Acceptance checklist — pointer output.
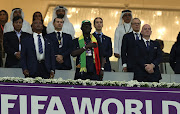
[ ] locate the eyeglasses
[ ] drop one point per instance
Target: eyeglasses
(136, 23)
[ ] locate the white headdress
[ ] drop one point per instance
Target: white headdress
(122, 14)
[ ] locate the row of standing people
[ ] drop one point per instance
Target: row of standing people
(17, 42)
(124, 19)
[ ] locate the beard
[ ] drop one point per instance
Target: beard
(60, 16)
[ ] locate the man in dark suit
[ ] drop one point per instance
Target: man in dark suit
(37, 54)
(104, 42)
(62, 43)
(148, 57)
(12, 43)
(129, 44)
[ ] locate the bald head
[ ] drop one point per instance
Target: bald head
(146, 31)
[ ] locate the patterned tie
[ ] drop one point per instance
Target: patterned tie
(40, 44)
(137, 36)
(99, 37)
(147, 44)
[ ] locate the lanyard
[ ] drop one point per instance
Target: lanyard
(125, 29)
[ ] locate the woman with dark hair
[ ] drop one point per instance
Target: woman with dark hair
(174, 58)
(3, 20)
(38, 16)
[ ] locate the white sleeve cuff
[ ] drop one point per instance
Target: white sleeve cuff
(124, 65)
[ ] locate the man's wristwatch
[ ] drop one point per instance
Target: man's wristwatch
(102, 69)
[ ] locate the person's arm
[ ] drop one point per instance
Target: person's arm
(172, 57)
(124, 49)
(24, 58)
(7, 47)
(81, 50)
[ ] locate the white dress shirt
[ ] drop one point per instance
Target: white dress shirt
(39, 56)
(18, 35)
(145, 41)
(138, 33)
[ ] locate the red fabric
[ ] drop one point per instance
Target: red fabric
(2, 28)
(97, 59)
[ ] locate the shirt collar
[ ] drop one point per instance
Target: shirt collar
(18, 32)
(58, 31)
(98, 33)
(146, 40)
(35, 34)
(136, 32)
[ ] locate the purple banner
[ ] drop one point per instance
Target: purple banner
(62, 99)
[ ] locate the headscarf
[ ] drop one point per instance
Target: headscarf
(122, 14)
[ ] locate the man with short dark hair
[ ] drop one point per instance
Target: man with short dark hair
(12, 43)
(37, 54)
(129, 45)
(89, 62)
(9, 26)
(104, 42)
(62, 43)
(124, 27)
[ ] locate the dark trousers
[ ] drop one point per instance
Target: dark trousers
(86, 75)
(41, 71)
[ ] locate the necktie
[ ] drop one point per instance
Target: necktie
(99, 37)
(147, 44)
(40, 44)
(137, 37)
(59, 37)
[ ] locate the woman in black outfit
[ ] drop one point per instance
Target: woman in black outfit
(174, 58)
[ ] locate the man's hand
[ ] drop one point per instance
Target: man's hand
(51, 75)
(26, 73)
(59, 58)
(149, 68)
(125, 69)
(116, 55)
(18, 55)
(90, 45)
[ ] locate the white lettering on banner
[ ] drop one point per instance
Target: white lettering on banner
(129, 109)
(23, 104)
(4, 102)
(34, 103)
(80, 107)
(86, 102)
(166, 104)
(148, 106)
(55, 101)
(105, 105)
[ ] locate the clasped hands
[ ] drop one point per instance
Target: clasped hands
(149, 68)
(59, 58)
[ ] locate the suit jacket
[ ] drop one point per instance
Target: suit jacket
(128, 50)
(28, 55)
(11, 45)
(65, 50)
(106, 48)
(145, 56)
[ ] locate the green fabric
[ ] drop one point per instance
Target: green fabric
(83, 55)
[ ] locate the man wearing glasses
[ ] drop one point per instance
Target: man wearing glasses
(124, 27)
(129, 45)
